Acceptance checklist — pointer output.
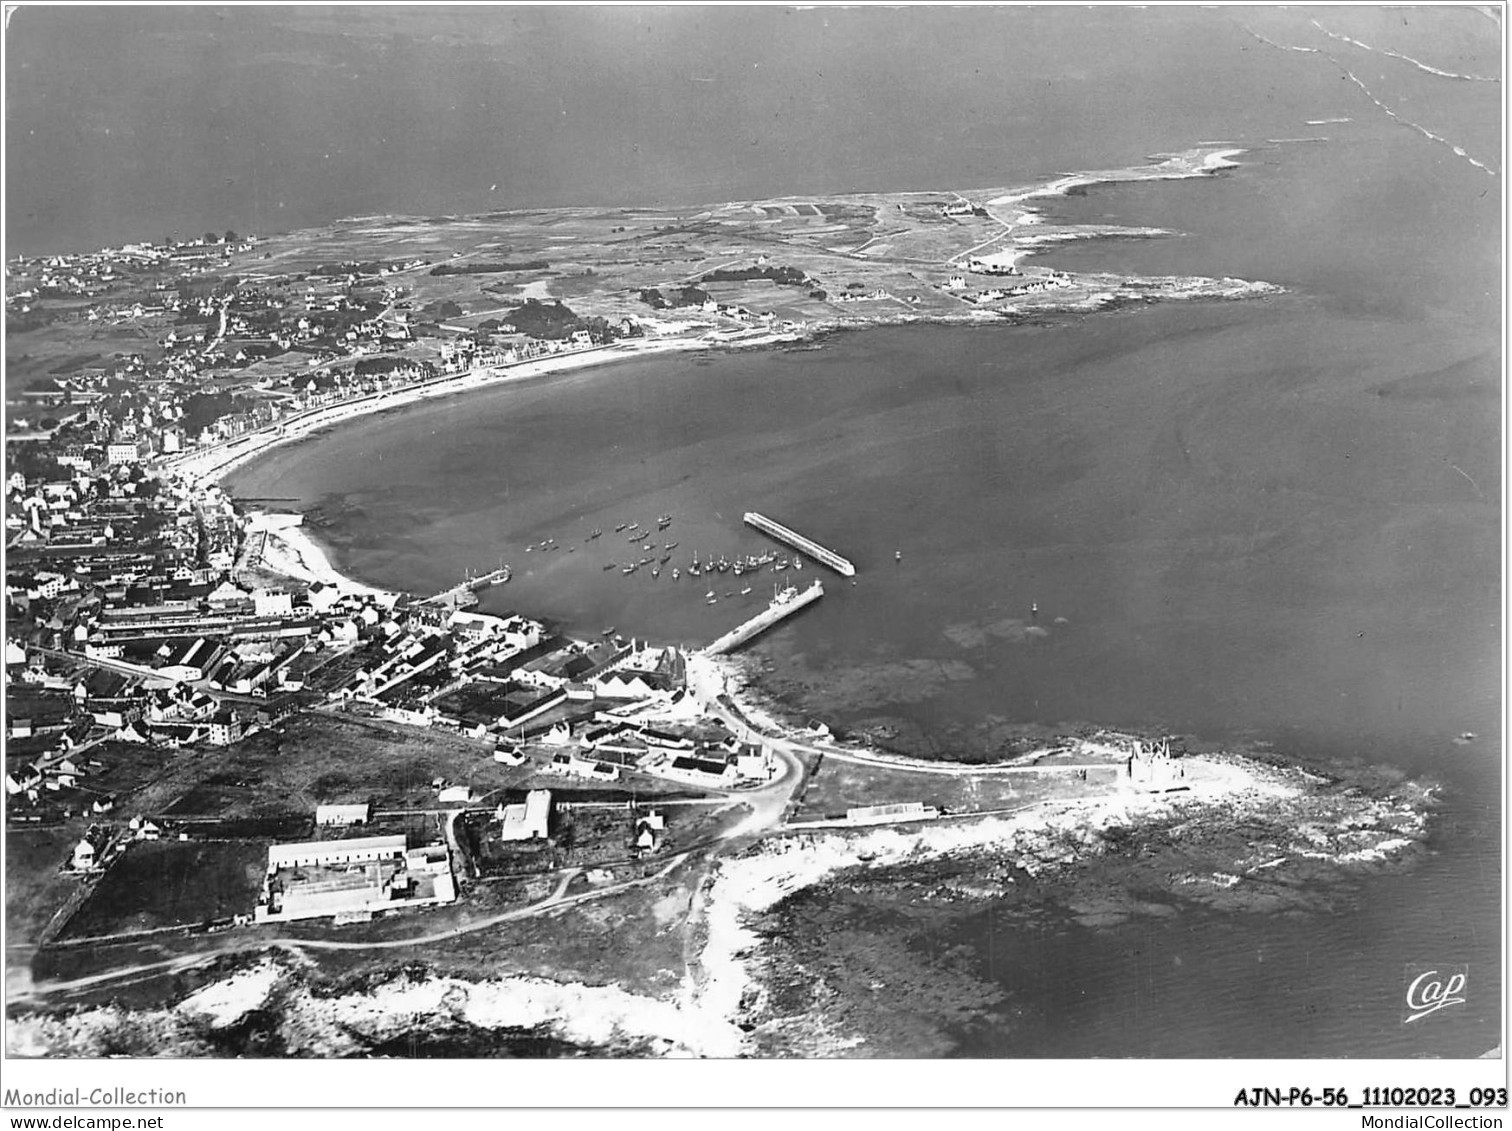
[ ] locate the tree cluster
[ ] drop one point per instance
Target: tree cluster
(489, 268)
(783, 276)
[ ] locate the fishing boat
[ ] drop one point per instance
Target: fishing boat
(609, 566)
(656, 571)
(712, 601)
(592, 536)
(620, 527)
(676, 573)
(746, 590)
(665, 558)
(609, 631)
(670, 546)
(631, 568)
(710, 593)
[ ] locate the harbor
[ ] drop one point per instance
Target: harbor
(464, 595)
(819, 553)
(784, 604)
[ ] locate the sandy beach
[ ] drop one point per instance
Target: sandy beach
(213, 464)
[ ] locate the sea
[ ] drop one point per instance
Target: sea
(1269, 524)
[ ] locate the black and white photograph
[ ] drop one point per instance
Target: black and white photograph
(753, 535)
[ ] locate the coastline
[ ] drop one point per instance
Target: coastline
(208, 468)
(1290, 841)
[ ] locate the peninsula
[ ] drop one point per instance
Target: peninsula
(280, 812)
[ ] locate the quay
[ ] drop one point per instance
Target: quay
(799, 542)
(464, 595)
(785, 604)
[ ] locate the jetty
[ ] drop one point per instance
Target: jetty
(787, 602)
(464, 595)
(819, 553)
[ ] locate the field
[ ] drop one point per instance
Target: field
(171, 883)
(34, 888)
(588, 837)
(320, 758)
(840, 785)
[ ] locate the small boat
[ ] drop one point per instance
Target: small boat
(529, 548)
(712, 601)
(897, 555)
(670, 546)
(676, 573)
(620, 527)
(693, 570)
(647, 561)
(631, 568)
(609, 566)
(592, 536)
(710, 593)
(797, 563)
(665, 558)
(746, 590)
(779, 567)
(609, 631)
(731, 593)
(656, 571)
(635, 536)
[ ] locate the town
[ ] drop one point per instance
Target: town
(209, 729)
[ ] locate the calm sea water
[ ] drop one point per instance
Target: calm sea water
(1272, 521)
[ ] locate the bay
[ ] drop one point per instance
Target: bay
(1270, 524)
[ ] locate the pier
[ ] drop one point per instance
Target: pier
(799, 542)
(464, 594)
(785, 604)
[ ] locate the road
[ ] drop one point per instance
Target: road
(768, 804)
(240, 941)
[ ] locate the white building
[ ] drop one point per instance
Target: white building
(343, 815)
(272, 603)
(528, 821)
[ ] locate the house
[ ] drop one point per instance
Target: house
(272, 603)
(83, 856)
(573, 766)
(701, 771)
(528, 821)
(508, 755)
(342, 816)
(649, 831)
(455, 795)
